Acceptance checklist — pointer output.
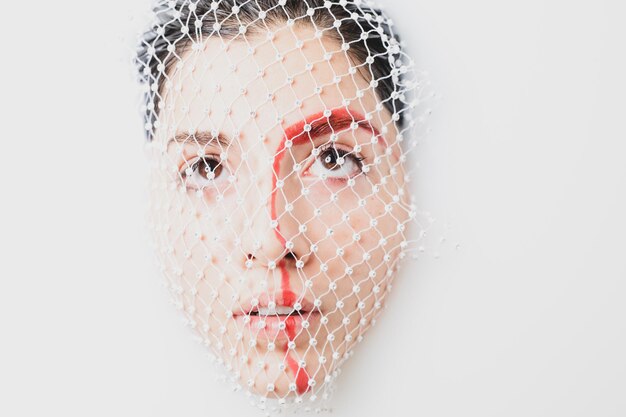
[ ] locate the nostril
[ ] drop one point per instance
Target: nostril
(290, 256)
(249, 262)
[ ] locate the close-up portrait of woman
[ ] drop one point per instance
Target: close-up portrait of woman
(279, 199)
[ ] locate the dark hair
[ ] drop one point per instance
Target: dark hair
(178, 23)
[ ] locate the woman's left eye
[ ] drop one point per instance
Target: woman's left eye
(332, 162)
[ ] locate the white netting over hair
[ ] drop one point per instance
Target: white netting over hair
(280, 135)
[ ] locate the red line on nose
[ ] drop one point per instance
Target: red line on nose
(278, 156)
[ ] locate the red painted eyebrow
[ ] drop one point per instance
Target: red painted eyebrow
(320, 125)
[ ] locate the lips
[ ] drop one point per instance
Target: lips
(274, 310)
(281, 303)
(282, 318)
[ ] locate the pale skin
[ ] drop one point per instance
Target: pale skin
(257, 217)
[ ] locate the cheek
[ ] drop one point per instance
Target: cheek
(196, 236)
(354, 234)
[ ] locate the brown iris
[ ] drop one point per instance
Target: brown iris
(207, 165)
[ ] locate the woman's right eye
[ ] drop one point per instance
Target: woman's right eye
(202, 171)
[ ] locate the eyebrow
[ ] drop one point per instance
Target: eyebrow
(202, 138)
(320, 125)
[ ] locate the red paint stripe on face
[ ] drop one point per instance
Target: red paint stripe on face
(278, 156)
(289, 298)
(290, 327)
(302, 377)
(339, 120)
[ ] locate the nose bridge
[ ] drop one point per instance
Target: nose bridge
(273, 228)
(265, 240)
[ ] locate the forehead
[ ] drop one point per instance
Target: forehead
(255, 84)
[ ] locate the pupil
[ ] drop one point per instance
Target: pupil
(330, 161)
(209, 165)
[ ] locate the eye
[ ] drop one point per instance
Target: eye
(332, 162)
(202, 171)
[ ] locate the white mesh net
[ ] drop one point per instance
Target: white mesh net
(280, 134)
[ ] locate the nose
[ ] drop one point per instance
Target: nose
(274, 234)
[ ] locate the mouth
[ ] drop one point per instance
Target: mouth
(281, 304)
(278, 319)
(271, 310)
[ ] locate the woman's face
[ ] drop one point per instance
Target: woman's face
(279, 204)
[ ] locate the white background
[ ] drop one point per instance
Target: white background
(525, 162)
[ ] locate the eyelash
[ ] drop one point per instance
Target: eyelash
(193, 166)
